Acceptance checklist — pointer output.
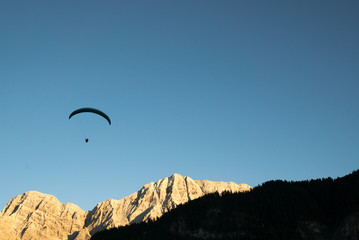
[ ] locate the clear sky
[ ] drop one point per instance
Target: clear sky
(243, 91)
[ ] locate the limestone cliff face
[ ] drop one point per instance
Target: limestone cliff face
(34, 215)
(151, 201)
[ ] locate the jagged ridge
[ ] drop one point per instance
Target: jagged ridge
(35, 215)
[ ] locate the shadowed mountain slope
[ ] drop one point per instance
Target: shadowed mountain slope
(315, 209)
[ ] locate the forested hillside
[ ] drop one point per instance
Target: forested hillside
(313, 209)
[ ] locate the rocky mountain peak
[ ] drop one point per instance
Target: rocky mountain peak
(34, 215)
(39, 216)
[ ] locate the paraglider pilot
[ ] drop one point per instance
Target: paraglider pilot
(91, 110)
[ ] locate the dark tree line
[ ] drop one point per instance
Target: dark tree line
(313, 209)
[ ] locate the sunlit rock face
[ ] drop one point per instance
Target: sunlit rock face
(151, 201)
(34, 215)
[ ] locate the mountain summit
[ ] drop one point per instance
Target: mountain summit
(35, 215)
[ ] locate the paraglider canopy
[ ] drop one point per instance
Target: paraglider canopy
(91, 110)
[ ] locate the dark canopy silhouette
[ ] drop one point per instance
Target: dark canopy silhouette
(91, 110)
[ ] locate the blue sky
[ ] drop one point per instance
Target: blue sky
(243, 91)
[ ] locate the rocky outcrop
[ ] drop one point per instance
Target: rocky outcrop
(35, 215)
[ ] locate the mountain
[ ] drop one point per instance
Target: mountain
(34, 215)
(306, 210)
(39, 216)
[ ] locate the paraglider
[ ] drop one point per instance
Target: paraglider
(91, 110)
